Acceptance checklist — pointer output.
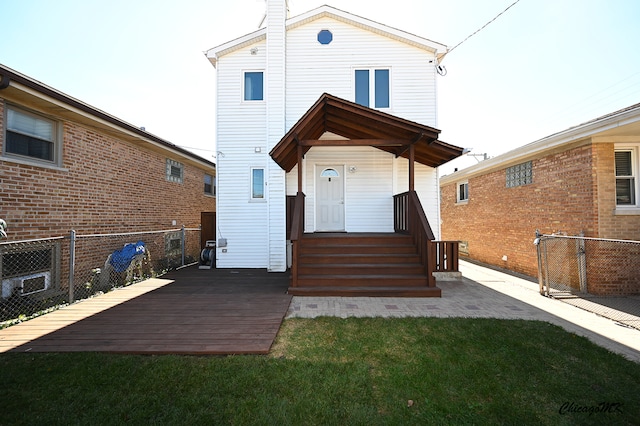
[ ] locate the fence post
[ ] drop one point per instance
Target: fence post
(184, 241)
(537, 243)
(72, 266)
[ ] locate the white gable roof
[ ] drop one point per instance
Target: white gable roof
(327, 11)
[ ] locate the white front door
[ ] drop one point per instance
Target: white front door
(329, 198)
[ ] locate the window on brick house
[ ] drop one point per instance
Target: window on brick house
(175, 171)
(462, 194)
(626, 169)
(520, 174)
(209, 185)
(30, 136)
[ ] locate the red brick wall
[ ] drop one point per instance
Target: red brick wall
(612, 226)
(105, 185)
(498, 221)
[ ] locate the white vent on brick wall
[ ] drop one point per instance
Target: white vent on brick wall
(26, 284)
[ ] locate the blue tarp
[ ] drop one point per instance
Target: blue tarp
(121, 259)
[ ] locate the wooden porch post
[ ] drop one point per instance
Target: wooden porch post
(412, 158)
(299, 169)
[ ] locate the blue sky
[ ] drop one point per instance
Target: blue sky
(541, 67)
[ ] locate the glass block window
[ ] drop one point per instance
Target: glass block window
(175, 171)
(520, 174)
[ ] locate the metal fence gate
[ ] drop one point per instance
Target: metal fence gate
(599, 275)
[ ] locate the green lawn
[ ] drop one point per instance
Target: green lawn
(333, 371)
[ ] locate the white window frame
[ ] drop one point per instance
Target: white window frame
(634, 209)
(252, 196)
(57, 138)
(170, 177)
(242, 94)
(372, 85)
(459, 199)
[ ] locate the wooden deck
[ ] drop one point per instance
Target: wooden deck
(190, 311)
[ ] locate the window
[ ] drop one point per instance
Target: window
(625, 177)
(325, 37)
(30, 135)
(175, 171)
(520, 174)
(373, 91)
(253, 86)
(463, 192)
(209, 185)
(257, 183)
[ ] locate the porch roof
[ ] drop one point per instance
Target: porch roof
(361, 126)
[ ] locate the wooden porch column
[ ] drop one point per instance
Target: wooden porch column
(412, 159)
(299, 169)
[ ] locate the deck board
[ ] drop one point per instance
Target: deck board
(190, 311)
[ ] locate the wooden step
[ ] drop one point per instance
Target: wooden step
(348, 280)
(357, 249)
(351, 258)
(366, 291)
(360, 269)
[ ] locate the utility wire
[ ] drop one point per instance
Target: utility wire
(478, 30)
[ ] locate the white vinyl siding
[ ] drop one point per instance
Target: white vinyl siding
(255, 230)
(313, 69)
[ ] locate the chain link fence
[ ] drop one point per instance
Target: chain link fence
(598, 275)
(38, 276)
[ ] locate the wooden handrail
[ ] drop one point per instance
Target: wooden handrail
(435, 256)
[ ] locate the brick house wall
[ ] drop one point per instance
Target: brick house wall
(498, 221)
(106, 184)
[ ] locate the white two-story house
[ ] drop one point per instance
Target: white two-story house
(325, 128)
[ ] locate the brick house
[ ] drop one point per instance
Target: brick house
(66, 165)
(580, 180)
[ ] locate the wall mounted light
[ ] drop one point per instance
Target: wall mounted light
(254, 51)
(257, 149)
(352, 169)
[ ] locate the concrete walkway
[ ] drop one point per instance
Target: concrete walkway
(481, 293)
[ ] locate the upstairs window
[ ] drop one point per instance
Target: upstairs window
(253, 86)
(625, 177)
(30, 135)
(373, 88)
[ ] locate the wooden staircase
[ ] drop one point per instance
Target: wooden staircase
(360, 264)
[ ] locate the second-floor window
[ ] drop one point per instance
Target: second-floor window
(253, 86)
(373, 88)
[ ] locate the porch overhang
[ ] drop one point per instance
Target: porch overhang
(361, 126)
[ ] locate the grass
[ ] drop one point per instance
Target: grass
(332, 371)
